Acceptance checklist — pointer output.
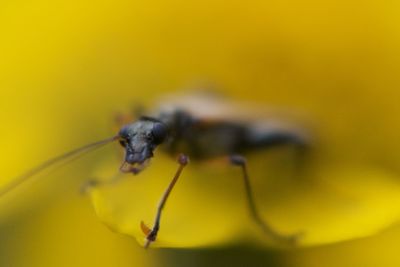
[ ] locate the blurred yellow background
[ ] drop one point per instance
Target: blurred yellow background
(67, 67)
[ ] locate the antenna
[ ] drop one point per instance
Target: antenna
(41, 167)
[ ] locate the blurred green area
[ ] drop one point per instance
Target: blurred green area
(67, 67)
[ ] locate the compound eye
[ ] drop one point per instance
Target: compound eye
(124, 132)
(159, 132)
(123, 142)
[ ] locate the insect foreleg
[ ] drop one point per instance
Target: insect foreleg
(92, 183)
(240, 161)
(151, 234)
(123, 118)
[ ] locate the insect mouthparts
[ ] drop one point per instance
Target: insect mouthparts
(134, 168)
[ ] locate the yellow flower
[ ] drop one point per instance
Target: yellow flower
(67, 67)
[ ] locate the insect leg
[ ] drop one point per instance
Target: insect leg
(240, 161)
(183, 160)
(92, 183)
(121, 119)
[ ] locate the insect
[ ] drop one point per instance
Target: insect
(196, 127)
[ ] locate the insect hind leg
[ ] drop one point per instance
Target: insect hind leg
(287, 241)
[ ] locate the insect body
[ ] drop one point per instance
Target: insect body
(178, 131)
